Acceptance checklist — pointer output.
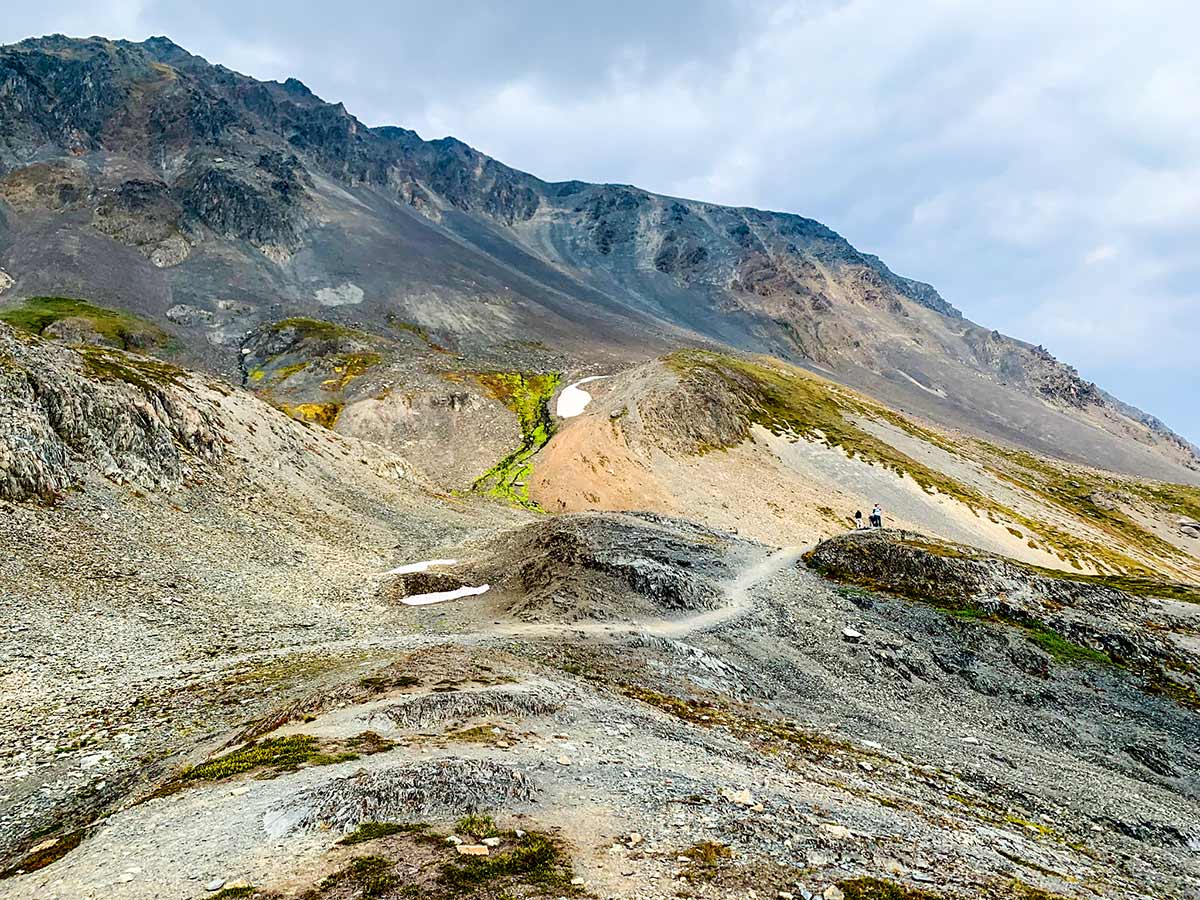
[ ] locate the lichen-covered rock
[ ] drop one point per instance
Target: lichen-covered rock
(65, 412)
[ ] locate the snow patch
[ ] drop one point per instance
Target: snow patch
(422, 566)
(572, 401)
(443, 596)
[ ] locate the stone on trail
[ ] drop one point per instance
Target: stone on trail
(473, 850)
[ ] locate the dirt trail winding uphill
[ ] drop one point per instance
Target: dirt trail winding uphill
(737, 597)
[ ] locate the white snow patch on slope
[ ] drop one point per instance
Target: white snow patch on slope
(443, 596)
(422, 566)
(572, 401)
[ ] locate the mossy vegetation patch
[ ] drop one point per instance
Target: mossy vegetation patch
(105, 364)
(477, 826)
(528, 396)
(415, 862)
(535, 861)
(317, 329)
(117, 327)
(373, 831)
(47, 851)
(878, 889)
(323, 414)
(233, 892)
(345, 367)
(705, 859)
(272, 756)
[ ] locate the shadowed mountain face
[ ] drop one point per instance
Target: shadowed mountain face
(140, 176)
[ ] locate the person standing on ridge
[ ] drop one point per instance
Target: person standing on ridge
(858, 525)
(877, 516)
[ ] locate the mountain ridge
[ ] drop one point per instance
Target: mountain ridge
(155, 180)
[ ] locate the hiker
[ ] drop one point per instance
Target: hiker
(858, 523)
(877, 517)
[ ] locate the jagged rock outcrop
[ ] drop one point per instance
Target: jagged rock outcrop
(65, 413)
(592, 566)
(958, 577)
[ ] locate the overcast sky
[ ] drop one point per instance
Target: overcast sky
(1039, 163)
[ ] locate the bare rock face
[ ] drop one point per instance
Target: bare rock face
(66, 412)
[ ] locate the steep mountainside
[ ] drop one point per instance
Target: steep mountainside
(235, 665)
(142, 177)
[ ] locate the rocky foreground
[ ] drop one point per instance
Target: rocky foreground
(214, 686)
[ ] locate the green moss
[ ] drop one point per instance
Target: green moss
(317, 329)
(348, 366)
(878, 889)
(46, 852)
(480, 734)
(229, 893)
(373, 831)
(367, 877)
(283, 373)
(528, 396)
(323, 414)
(280, 754)
(537, 860)
(274, 756)
(105, 364)
(705, 860)
(1063, 649)
(477, 826)
(123, 329)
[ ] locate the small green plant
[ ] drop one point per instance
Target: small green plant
(536, 860)
(878, 889)
(368, 877)
(705, 859)
(477, 826)
(230, 893)
(373, 831)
